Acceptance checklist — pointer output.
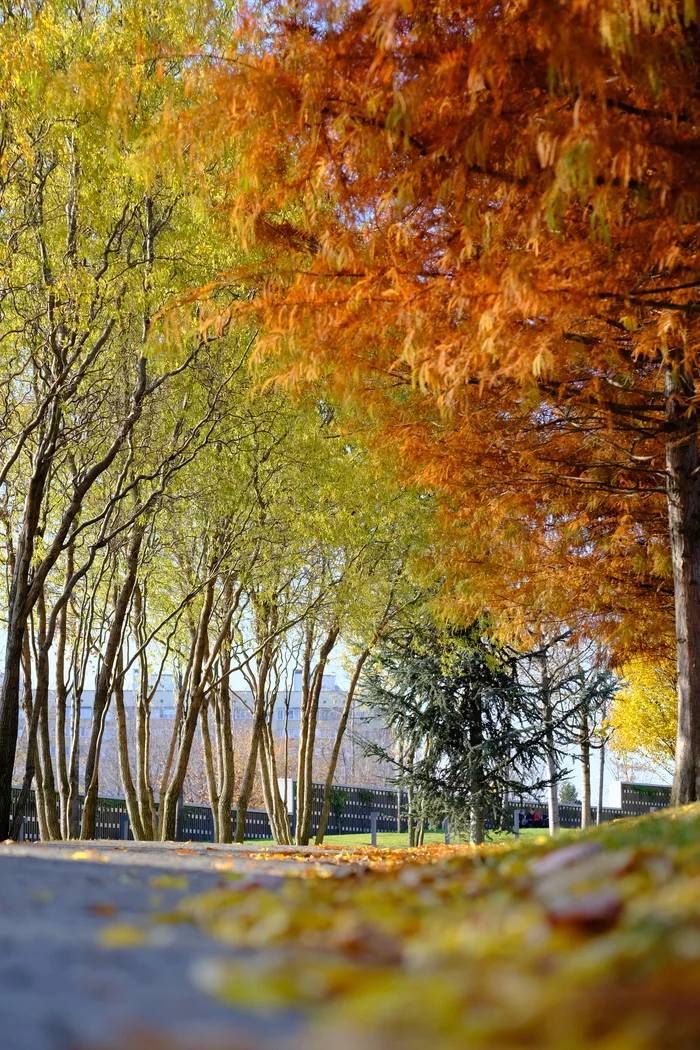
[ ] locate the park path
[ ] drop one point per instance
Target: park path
(61, 988)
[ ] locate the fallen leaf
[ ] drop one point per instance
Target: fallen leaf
(103, 909)
(564, 858)
(123, 935)
(169, 882)
(589, 913)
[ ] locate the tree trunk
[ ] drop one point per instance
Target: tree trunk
(209, 767)
(337, 744)
(225, 740)
(306, 686)
(103, 688)
(420, 828)
(550, 750)
(307, 737)
(144, 787)
(249, 776)
(9, 711)
(410, 823)
(683, 497)
(130, 796)
(277, 811)
(72, 814)
(179, 714)
(18, 610)
(23, 594)
(601, 775)
(198, 679)
(61, 704)
(478, 778)
(585, 770)
(41, 697)
(31, 715)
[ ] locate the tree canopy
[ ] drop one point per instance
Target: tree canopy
(480, 220)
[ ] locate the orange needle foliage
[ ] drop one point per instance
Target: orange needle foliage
(482, 218)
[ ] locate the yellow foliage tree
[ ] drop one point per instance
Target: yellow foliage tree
(644, 714)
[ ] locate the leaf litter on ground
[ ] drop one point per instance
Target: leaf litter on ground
(595, 943)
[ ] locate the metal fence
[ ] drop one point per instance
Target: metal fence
(112, 821)
(352, 808)
(636, 801)
(351, 812)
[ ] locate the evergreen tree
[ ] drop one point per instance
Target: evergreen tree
(465, 737)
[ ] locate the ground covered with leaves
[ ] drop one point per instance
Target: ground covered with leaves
(594, 942)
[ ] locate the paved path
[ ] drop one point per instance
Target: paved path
(60, 989)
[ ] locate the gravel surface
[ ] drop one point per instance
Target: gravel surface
(61, 989)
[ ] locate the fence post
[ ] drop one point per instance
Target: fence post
(373, 825)
(446, 827)
(516, 822)
(124, 826)
(20, 837)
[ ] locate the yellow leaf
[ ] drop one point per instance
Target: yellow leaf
(169, 882)
(123, 935)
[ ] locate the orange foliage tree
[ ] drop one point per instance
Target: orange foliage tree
(483, 218)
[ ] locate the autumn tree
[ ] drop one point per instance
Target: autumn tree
(643, 715)
(91, 252)
(489, 213)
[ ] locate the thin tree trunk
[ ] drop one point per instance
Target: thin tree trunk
(478, 778)
(31, 715)
(199, 678)
(103, 688)
(130, 795)
(601, 774)
(683, 497)
(585, 769)
(550, 750)
(147, 809)
(41, 697)
(9, 713)
(32, 711)
(306, 754)
(420, 828)
(210, 770)
(225, 740)
(61, 703)
(410, 822)
(144, 787)
(179, 712)
(306, 686)
(246, 789)
(168, 802)
(274, 804)
(72, 816)
(337, 745)
(18, 610)
(23, 592)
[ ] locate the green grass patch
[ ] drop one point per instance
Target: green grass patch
(399, 840)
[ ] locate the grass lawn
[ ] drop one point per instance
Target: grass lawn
(396, 840)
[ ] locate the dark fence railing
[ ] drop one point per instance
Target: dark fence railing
(351, 812)
(112, 821)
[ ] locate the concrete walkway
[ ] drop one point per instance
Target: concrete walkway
(61, 989)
